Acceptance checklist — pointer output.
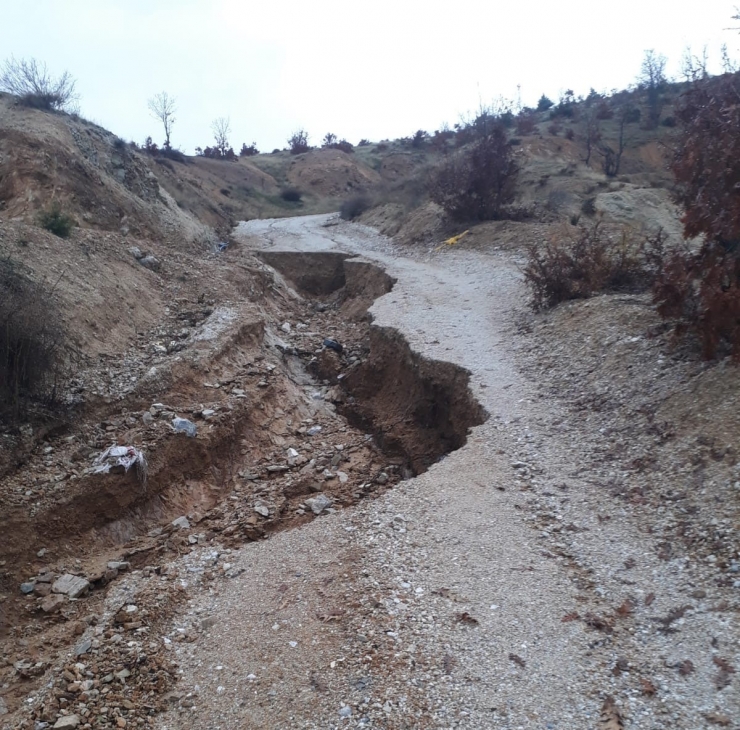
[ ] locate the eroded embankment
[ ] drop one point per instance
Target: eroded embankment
(417, 409)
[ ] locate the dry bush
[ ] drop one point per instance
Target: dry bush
(354, 207)
(478, 183)
(700, 289)
(36, 87)
(298, 142)
(33, 340)
(579, 263)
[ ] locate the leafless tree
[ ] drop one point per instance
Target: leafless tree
(36, 87)
(162, 107)
(612, 158)
(652, 77)
(592, 130)
(221, 129)
(694, 67)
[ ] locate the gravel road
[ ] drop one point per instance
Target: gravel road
(500, 589)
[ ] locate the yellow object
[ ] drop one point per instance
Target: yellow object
(452, 241)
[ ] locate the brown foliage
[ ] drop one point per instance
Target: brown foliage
(479, 182)
(706, 161)
(578, 263)
(700, 289)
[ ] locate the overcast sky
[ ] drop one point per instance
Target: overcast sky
(379, 69)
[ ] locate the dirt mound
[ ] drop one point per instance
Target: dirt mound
(331, 173)
(88, 172)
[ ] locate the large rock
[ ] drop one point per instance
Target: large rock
(70, 585)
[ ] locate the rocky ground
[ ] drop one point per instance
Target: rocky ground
(572, 565)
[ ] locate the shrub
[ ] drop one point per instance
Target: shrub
(477, 183)
(354, 207)
(554, 129)
(248, 151)
(577, 265)
(56, 222)
(544, 104)
(364, 142)
(701, 288)
(669, 122)
(298, 142)
(32, 340)
(604, 111)
(570, 134)
(32, 82)
(525, 125)
(419, 138)
(291, 195)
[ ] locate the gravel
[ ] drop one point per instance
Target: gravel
(502, 588)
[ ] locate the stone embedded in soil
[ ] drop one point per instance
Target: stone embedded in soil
(83, 647)
(319, 503)
(52, 602)
(27, 587)
(67, 721)
(71, 585)
(118, 565)
(181, 523)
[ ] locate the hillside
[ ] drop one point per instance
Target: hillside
(360, 481)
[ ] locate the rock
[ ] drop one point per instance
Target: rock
(42, 589)
(207, 413)
(182, 425)
(262, 509)
(182, 523)
(118, 565)
(319, 503)
(41, 553)
(52, 602)
(27, 588)
(83, 647)
(382, 478)
(3, 707)
(346, 711)
(67, 721)
(151, 263)
(135, 251)
(333, 345)
(71, 585)
(285, 327)
(343, 477)
(314, 430)
(147, 417)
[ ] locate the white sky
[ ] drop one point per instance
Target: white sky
(379, 69)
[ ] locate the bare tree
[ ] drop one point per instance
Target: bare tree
(652, 77)
(694, 67)
(162, 107)
(592, 130)
(612, 158)
(728, 65)
(221, 129)
(36, 87)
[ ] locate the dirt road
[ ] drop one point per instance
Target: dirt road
(502, 588)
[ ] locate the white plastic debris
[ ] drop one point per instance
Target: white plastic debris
(119, 458)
